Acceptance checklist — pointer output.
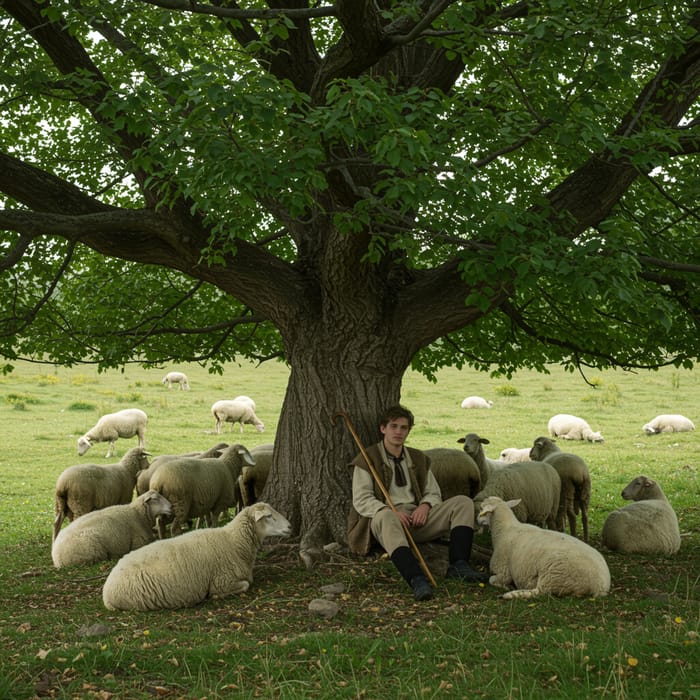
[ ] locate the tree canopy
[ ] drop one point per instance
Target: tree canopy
(354, 188)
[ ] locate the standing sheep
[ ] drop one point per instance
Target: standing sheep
(199, 565)
(201, 487)
(575, 496)
(455, 471)
(647, 526)
(668, 423)
(110, 532)
(86, 487)
(233, 411)
(536, 485)
(540, 562)
(122, 424)
(476, 402)
(254, 477)
(179, 378)
(570, 427)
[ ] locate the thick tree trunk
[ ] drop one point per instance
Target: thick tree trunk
(310, 481)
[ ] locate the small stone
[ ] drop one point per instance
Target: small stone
(334, 588)
(323, 608)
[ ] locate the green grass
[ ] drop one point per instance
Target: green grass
(58, 641)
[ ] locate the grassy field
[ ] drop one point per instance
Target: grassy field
(639, 642)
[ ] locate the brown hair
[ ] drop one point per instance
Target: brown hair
(397, 411)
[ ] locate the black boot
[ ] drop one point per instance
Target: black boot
(460, 550)
(409, 568)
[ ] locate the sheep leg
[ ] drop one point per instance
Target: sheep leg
(521, 593)
(571, 515)
(584, 523)
(112, 449)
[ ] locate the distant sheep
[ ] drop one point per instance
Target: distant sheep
(536, 485)
(647, 526)
(476, 402)
(515, 454)
(179, 378)
(235, 411)
(539, 562)
(570, 427)
(110, 532)
(122, 424)
(201, 487)
(575, 496)
(455, 471)
(199, 565)
(668, 423)
(254, 477)
(86, 487)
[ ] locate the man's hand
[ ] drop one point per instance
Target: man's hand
(420, 515)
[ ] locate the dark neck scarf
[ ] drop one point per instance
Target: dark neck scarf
(399, 476)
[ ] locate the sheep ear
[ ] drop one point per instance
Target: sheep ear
(514, 502)
(462, 440)
(263, 512)
(484, 441)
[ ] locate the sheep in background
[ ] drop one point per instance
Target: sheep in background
(570, 427)
(232, 411)
(110, 532)
(647, 526)
(199, 565)
(254, 477)
(143, 478)
(455, 471)
(476, 402)
(575, 496)
(179, 378)
(122, 424)
(201, 487)
(515, 454)
(539, 562)
(86, 487)
(536, 485)
(246, 399)
(668, 423)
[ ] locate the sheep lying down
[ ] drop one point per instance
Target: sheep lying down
(188, 569)
(533, 562)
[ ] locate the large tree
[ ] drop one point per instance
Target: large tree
(354, 187)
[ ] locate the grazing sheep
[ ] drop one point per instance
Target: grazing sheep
(455, 471)
(668, 423)
(179, 378)
(201, 487)
(572, 428)
(253, 478)
(246, 399)
(110, 532)
(515, 454)
(199, 565)
(143, 478)
(122, 424)
(536, 485)
(575, 496)
(86, 487)
(476, 402)
(233, 411)
(539, 562)
(647, 526)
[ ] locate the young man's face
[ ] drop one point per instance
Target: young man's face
(395, 432)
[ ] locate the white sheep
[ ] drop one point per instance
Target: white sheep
(110, 532)
(254, 477)
(476, 402)
(179, 378)
(201, 487)
(668, 423)
(539, 562)
(647, 526)
(570, 427)
(536, 485)
(233, 411)
(575, 496)
(143, 478)
(246, 399)
(515, 454)
(473, 447)
(86, 487)
(199, 565)
(455, 471)
(122, 424)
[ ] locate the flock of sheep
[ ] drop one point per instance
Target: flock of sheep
(525, 498)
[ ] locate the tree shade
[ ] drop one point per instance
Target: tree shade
(352, 188)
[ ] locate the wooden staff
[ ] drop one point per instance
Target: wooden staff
(384, 491)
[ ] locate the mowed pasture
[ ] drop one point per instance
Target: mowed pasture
(639, 642)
